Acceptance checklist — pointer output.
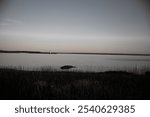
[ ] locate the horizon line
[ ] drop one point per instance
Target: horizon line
(85, 53)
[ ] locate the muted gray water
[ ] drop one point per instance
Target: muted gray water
(82, 62)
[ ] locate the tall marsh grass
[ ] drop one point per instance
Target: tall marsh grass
(51, 84)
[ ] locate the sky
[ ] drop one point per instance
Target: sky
(120, 26)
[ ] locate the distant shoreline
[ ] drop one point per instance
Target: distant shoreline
(88, 53)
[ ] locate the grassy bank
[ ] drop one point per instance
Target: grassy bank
(20, 84)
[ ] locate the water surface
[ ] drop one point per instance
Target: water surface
(82, 62)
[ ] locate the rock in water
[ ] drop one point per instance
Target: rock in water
(67, 67)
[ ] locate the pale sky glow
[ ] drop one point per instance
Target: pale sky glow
(75, 25)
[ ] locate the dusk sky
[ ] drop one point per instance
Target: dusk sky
(75, 25)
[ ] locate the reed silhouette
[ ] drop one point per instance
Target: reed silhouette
(21, 84)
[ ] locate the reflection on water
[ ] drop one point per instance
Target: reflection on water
(82, 62)
(130, 59)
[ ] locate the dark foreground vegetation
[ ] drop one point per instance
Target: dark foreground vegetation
(20, 84)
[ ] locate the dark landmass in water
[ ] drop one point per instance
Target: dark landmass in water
(29, 52)
(20, 84)
(84, 53)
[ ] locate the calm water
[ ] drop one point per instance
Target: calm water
(82, 62)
